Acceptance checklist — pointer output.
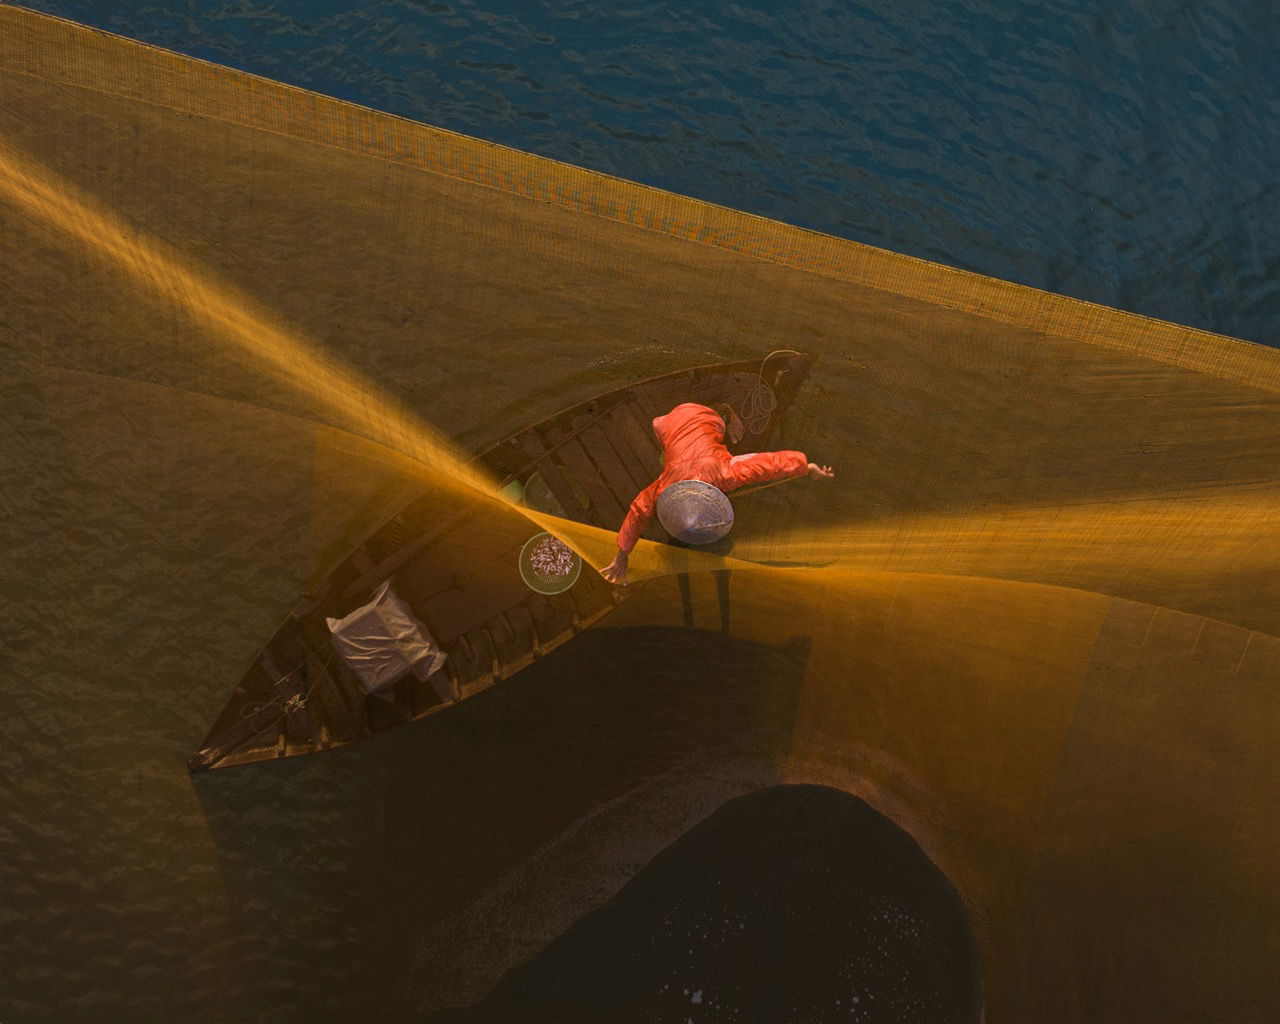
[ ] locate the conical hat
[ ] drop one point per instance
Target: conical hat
(695, 512)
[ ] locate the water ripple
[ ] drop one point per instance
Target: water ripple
(1121, 155)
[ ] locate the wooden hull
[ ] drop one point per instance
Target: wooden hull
(458, 571)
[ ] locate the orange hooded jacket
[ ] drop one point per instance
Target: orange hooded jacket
(692, 438)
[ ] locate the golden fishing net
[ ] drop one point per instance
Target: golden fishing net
(1041, 590)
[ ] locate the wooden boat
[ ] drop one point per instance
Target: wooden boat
(458, 571)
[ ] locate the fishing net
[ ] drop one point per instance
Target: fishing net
(241, 321)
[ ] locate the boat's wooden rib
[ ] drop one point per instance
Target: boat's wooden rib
(500, 457)
(466, 664)
(636, 470)
(598, 447)
(561, 488)
(503, 640)
(552, 620)
(455, 612)
(637, 434)
(647, 411)
(486, 656)
(457, 571)
(606, 508)
(519, 623)
(389, 565)
(640, 468)
(627, 420)
(349, 717)
(324, 694)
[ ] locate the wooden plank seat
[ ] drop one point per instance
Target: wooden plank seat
(614, 464)
(607, 508)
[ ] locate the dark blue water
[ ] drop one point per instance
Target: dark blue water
(1120, 153)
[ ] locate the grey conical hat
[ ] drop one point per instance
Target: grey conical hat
(695, 512)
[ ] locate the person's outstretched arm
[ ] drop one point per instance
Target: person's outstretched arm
(638, 517)
(763, 467)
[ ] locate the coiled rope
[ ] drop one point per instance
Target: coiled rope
(757, 407)
(285, 705)
(761, 400)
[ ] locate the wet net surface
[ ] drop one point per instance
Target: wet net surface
(241, 321)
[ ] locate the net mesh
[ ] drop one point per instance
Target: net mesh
(1041, 590)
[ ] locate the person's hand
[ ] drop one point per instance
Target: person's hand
(616, 571)
(817, 472)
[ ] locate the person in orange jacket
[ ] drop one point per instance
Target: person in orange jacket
(692, 438)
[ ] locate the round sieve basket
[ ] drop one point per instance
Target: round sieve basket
(538, 495)
(549, 566)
